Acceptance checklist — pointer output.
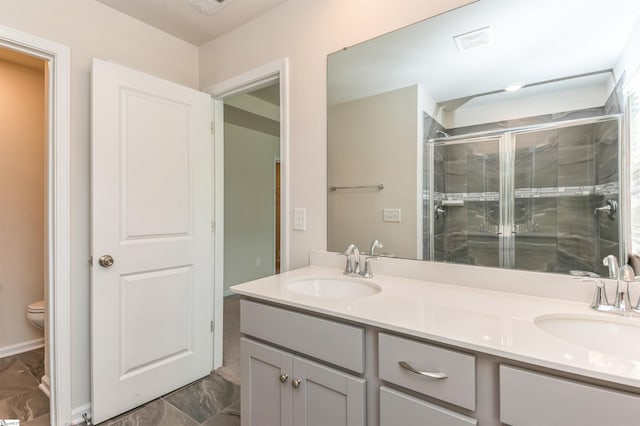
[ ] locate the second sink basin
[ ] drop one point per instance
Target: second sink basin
(616, 336)
(333, 287)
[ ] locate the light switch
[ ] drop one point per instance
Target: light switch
(299, 219)
(392, 215)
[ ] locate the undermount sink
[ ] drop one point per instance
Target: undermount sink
(610, 335)
(333, 287)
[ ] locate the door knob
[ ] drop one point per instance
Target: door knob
(105, 261)
(296, 383)
(284, 377)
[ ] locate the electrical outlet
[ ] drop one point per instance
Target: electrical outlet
(299, 219)
(392, 215)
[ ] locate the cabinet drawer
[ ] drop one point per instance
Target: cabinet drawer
(397, 408)
(333, 342)
(528, 398)
(458, 387)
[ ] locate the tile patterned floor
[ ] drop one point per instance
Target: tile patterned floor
(211, 401)
(20, 397)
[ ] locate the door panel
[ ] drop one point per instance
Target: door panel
(466, 214)
(151, 211)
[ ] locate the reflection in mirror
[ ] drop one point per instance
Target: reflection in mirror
(490, 135)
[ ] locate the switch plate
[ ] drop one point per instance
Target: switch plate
(392, 215)
(299, 219)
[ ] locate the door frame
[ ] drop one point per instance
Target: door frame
(242, 83)
(58, 286)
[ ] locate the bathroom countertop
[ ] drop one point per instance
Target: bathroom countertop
(492, 322)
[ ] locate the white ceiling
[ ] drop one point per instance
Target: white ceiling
(535, 41)
(179, 18)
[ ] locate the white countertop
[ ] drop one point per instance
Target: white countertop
(493, 322)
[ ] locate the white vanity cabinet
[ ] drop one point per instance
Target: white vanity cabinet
(282, 386)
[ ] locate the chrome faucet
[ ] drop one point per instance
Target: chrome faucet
(622, 303)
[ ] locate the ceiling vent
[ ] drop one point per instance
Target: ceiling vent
(209, 7)
(475, 38)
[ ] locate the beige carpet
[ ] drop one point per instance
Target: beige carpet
(230, 369)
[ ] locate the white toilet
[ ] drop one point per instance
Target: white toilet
(35, 313)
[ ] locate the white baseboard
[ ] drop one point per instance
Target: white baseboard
(19, 348)
(45, 386)
(76, 413)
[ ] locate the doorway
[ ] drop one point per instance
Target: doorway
(251, 182)
(56, 59)
(22, 226)
(263, 77)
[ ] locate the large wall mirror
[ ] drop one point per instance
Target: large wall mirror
(495, 134)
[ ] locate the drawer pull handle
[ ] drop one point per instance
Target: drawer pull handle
(428, 374)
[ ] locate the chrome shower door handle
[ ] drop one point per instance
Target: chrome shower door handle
(610, 209)
(105, 261)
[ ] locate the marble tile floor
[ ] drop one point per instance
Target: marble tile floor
(211, 401)
(20, 397)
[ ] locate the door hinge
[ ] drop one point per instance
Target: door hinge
(212, 127)
(90, 261)
(213, 226)
(211, 326)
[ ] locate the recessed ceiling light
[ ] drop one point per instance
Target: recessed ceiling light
(513, 87)
(475, 38)
(209, 7)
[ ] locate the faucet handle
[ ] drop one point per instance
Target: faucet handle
(612, 262)
(348, 269)
(600, 301)
(367, 267)
(622, 301)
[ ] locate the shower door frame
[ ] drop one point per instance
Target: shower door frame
(507, 230)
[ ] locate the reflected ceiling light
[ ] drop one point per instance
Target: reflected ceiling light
(513, 87)
(475, 38)
(209, 7)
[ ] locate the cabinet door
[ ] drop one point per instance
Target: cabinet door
(325, 396)
(266, 399)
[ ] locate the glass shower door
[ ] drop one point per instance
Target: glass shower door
(561, 175)
(465, 208)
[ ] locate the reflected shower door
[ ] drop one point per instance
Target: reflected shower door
(561, 175)
(466, 201)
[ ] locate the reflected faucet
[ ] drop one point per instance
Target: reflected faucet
(375, 244)
(353, 260)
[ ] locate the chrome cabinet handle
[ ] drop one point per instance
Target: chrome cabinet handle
(106, 261)
(284, 377)
(429, 374)
(296, 383)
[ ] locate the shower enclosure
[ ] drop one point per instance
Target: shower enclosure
(541, 198)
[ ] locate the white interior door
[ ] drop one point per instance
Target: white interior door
(151, 212)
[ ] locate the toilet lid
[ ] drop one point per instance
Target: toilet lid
(36, 306)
